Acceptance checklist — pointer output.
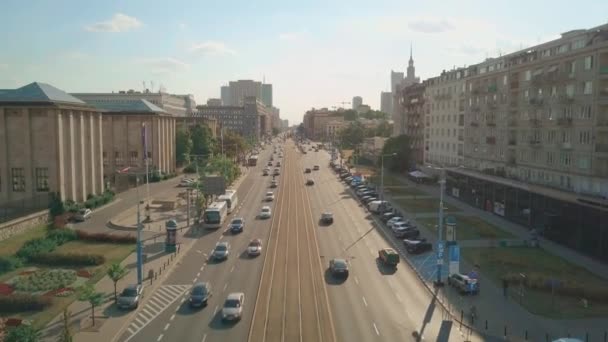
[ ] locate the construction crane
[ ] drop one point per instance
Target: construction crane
(343, 103)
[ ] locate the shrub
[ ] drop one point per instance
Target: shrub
(45, 280)
(105, 237)
(23, 302)
(9, 263)
(61, 236)
(35, 247)
(69, 259)
(191, 168)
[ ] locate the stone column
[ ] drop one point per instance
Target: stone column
(28, 162)
(92, 153)
(60, 153)
(83, 180)
(4, 166)
(70, 159)
(98, 157)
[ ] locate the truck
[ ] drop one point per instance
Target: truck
(253, 160)
(389, 257)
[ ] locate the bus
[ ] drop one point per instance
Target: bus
(253, 160)
(231, 200)
(215, 215)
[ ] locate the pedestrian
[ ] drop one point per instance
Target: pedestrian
(505, 287)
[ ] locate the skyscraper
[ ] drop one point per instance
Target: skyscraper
(267, 95)
(357, 101)
(386, 102)
(225, 90)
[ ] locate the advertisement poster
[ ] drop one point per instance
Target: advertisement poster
(454, 259)
(499, 209)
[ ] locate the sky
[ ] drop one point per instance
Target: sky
(316, 53)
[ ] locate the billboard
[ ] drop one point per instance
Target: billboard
(214, 185)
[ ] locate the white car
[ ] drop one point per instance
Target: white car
(394, 220)
(265, 212)
(255, 247)
(400, 225)
(83, 215)
(269, 196)
(186, 182)
(233, 307)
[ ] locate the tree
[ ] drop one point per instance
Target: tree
(202, 140)
(402, 160)
(22, 333)
(352, 135)
(88, 294)
(350, 115)
(183, 146)
(66, 330)
(384, 129)
(116, 272)
(234, 144)
(223, 166)
(275, 131)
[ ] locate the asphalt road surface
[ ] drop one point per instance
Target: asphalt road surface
(289, 294)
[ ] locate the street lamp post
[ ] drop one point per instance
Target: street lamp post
(440, 244)
(382, 173)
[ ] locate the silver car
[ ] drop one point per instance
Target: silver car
(129, 297)
(233, 307)
(221, 251)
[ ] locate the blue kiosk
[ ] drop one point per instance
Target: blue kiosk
(171, 240)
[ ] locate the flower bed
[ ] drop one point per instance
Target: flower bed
(44, 280)
(62, 292)
(6, 289)
(84, 273)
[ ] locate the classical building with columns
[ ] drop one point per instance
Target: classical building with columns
(50, 141)
(125, 122)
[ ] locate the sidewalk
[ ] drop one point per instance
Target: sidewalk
(110, 321)
(496, 314)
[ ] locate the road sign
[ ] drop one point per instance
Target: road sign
(439, 261)
(440, 249)
(214, 185)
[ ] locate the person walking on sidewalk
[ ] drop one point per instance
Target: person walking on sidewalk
(505, 287)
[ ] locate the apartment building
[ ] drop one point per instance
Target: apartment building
(321, 124)
(444, 120)
(409, 118)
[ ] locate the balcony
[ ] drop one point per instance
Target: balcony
(492, 88)
(564, 121)
(535, 122)
(566, 146)
(514, 85)
(534, 143)
(601, 147)
(491, 140)
(512, 123)
(512, 142)
(475, 109)
(566, 99)
(492, 105)
(490, 123)
(460, 138)
(511, 161)
(535, 101)
(474, 124)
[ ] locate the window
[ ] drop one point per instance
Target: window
(118, 158)
(551, 137)
(584, 137)
(105, 158)
(18, 177)
(587, 88)
(585, 112)
(504, 80)
(570, 90)
(588, 62)
(553, 91)
(583, 163)
(545, 53)
(571, 67)
(133, 157)
(562, 48)
(528, 75)
(577, 44)
(42, 179)
(550, 158)
(526, 93)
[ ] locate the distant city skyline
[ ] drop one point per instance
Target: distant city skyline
(194, 48)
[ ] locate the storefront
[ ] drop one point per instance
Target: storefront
(579, 223)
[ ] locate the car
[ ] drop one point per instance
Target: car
(338, 267)
(83, 215)
(266, 172)
(307, 170)
(200, 294)
(377, 206)
(254, 248)
(233, 306)
(463, 283)
(316, 167)
(221, 251)
(265, 212)
(364, 198)
(269, 163)
(348, 179)
(393, 220)
(309, 181)
(327, 217)
(417, 246)
(406, 232)
(186, 182)
(269, 197)
(278, 164)
(237, 225)
(344, 175)
(370, 199)
(276, 172)
(130, 297)
(274, 184)
(389, 257)
(387, 216)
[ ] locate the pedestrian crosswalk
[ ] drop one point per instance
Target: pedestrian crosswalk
(160, 300)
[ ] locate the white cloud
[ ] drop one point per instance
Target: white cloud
(211, 48)
(119, 23)
(165, 65)
(430, 25)
(182, 26)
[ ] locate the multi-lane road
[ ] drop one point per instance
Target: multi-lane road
(289, 294)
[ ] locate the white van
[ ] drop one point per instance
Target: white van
(230, 198)
(375, 206)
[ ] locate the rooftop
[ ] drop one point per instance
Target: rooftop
(39, 93)
(126, 106)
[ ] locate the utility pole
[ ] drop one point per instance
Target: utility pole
(140, 265)
(440, 244)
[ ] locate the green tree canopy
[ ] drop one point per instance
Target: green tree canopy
(183, 146)
(22, 333)
(223, 166)
(350, 115)
(352, 135)
(384, 129)
(202, 140)
(234, 144)
(402, 161)
(375, 114)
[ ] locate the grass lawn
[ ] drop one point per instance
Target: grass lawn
(11, 245)
(112, 253)
(470, 228)
(424, 205)
(535, 262)
(404, 191)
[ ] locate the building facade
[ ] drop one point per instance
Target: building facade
(252, 119)
(398, 85)
(371, 148)
(386, 102)
(235, 92)
(444, 121)
(50, 142)
(214, 102)
(225, 95)
(176, 105)
(357, 101)
(413, 108)
(266, 95)
(316, 123)
(333, 128)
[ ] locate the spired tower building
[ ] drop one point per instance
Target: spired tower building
(398, 110)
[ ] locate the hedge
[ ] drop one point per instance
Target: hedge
(62, 235)
(35, 247)
(17, 302)
(9, 263)
(93, 201)
(69, 259)
(565, 288)
(105, 237)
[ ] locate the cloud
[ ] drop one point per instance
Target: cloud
(182, 26)
(165, 65)
(430, 25)
(288, 36)
(119, 23)
(211, 48)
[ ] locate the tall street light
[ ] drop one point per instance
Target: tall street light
(440, 243)
(382, 173)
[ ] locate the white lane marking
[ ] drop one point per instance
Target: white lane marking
(198, 274)
(232, 269)
(215, 310)
(398, 297)
(183, 299)
(225, 286)
(194, 280)
(364, 301)
(356, 280)
(166, 327)
(376, 329)
(204, 338)
(159, 338)
(172, 317)
(202, 268)
(199, 251)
